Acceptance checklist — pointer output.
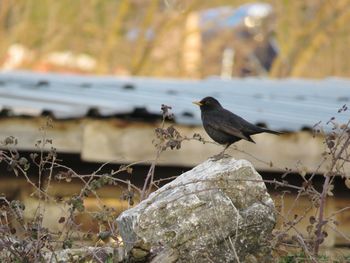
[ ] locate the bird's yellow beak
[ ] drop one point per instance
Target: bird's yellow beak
(197, 103)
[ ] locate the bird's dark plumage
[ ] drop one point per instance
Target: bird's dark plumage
(225, 127)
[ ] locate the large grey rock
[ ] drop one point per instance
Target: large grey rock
(219, 211)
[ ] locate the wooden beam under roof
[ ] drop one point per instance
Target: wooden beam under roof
(121, 141)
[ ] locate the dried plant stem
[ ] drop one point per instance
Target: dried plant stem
(329, 176)
(149, 178)
(321, 222)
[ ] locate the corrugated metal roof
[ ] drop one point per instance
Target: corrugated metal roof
(281, 104)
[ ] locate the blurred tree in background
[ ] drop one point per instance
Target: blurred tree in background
(313, 37)
(147, 37)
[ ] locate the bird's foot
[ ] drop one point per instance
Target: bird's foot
(219, 156)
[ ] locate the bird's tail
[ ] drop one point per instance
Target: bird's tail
(271, 131)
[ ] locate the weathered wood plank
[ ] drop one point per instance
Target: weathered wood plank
(120, 141)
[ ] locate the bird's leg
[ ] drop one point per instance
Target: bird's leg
(222, 153)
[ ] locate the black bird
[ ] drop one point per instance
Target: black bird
(225, 127)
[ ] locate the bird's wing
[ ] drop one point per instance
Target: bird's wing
(227, 127)
(227, 122)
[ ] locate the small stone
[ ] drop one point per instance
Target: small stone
(168, 256)
(139, 254)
